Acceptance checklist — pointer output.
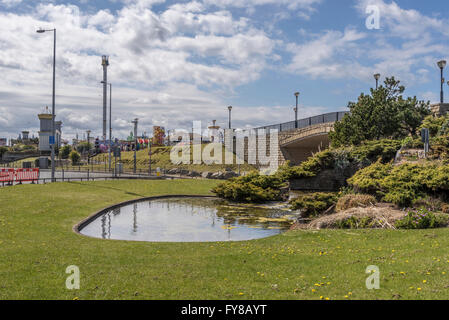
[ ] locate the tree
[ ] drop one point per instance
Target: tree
(75, 157)
(65, 152)
(3, 150)
(383, 114)
(84, 147)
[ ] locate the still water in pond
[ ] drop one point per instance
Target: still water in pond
(190, 220)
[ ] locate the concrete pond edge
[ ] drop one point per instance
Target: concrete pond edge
(81, 225)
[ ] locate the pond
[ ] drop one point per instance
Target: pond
(204, 219)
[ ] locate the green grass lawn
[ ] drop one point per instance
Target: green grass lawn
(37, 244)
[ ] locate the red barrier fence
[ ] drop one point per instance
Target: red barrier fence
(26, 175)
(10, 176)
(7, 175)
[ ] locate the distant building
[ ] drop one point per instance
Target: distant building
(25, 135)
(3, 142)
(214, 132)
(46, 132)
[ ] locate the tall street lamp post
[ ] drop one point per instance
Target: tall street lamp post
(53, 127)
(377, 77)
(296, 110)
(135, 122)
(88, 146)
(230, 114)
(110, 123)
(442, 65)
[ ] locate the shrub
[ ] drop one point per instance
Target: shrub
(357, 223)
(421, 219)
(411, 143)
(369, 179)
(251, 188)
(439, 147)
(75, 157)
(434, 124)
(340, 158)
(65, 152)
(445, 208)
(354, 200)
(404, 184)
(314, 204)
(371, 151)
(3, 150)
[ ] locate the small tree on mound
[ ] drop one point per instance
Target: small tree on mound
(75, 157)
(383, 114)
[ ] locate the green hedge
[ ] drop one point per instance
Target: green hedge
(251, 188)
(403, 184)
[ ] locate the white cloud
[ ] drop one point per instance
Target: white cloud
(10, 3)
(329, 55)
(404, 23)
(156, 53)
(407, 46)
(290, 4)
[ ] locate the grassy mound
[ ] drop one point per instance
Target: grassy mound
(161, 158)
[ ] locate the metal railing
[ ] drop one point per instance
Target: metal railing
(307, 122)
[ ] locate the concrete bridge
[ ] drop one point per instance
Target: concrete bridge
(298, 140)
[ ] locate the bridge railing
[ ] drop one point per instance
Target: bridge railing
(307, 122)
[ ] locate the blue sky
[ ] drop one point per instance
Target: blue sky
(173, 62)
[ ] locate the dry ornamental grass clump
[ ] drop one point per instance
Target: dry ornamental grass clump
(354, 201)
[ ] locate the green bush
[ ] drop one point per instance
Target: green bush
(3, 150)
(253, 187)
(339, 158)
(411, 143)
(65, 152)
(75, 157)
(312, 205)
(439, 147)
(371, 151)
(403, 184)
(357, 223)
(434, 124)
(422, 219)
(258, 188)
